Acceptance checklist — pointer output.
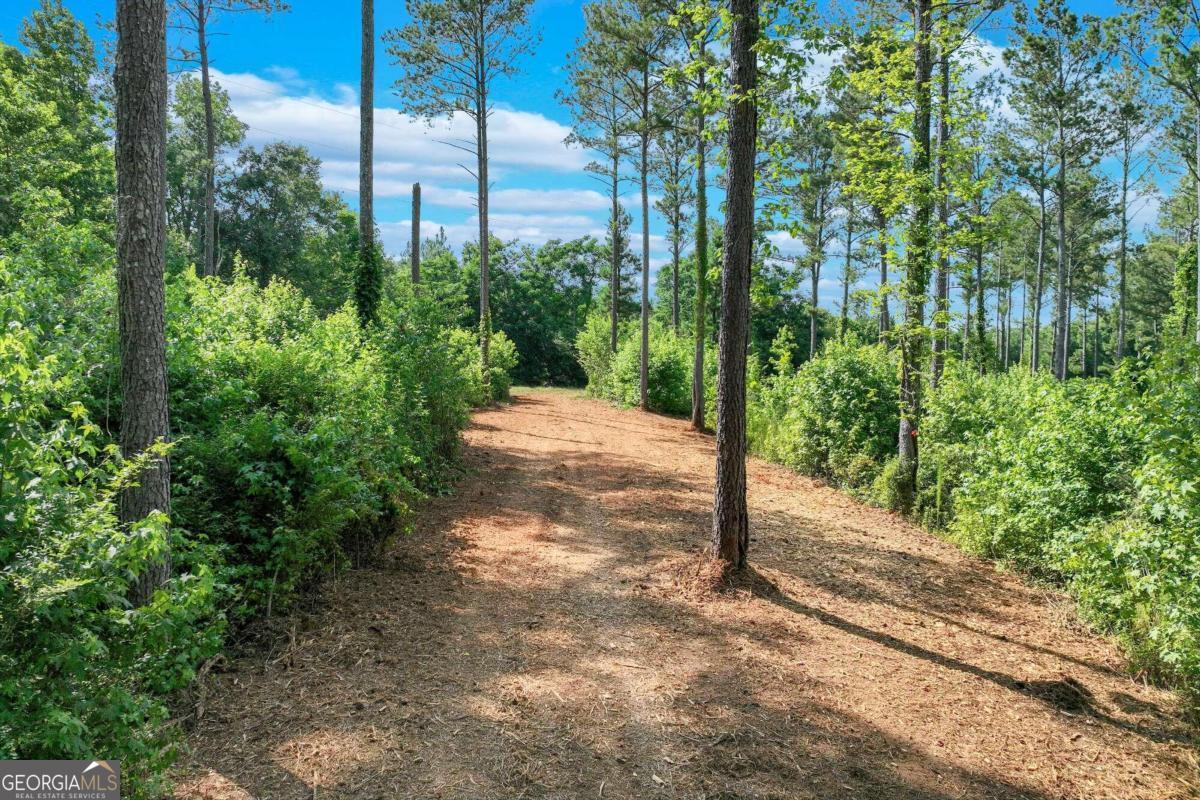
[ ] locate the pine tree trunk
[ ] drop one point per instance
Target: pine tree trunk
(1061, 333)
(415, 246)
(815, 276)
(845, 320)
(210, 143)
(731, 525)
(644, 365)
(1035, 347)
(675, 245)
(916, 279)
(614, 279)
(1123, 251)
(141, 121)
(701, 266)
(885, 320)
(485, 310)
(941, 325)
(368, 292)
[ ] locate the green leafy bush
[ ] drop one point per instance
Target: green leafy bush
(836, 416)
(1060, 459)
(1139, 574)
(668, 370)
(81, 670)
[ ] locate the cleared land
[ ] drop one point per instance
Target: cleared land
(546, 633)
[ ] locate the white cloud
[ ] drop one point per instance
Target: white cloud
(285, 109)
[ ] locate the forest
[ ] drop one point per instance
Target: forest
(872, 399)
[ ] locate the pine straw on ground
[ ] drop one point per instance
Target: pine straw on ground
(551, 631)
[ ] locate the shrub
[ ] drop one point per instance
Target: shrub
(1139, 575)
(594, 351)
(1061, 460)
(668, 370)
(81, 671)
(835, 416)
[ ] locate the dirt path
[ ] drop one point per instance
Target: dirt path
(536, 638)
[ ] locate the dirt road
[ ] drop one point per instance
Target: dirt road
(541, 635)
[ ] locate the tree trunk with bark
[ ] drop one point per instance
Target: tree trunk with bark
(701, 263)
(210, 143)
(644, 365)
(366, 153)
(485, 309)
(141, 121)
(415, 246)
(1060, 302)
(675, 246)
(916, 279)
(731, 525)
(941, 323)
(1035, 347)
(614, 280)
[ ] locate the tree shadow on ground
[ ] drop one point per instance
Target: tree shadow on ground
(528, 641)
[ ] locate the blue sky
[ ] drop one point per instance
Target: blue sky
(294, 76)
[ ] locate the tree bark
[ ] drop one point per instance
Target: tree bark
(701, 264)
(885, 320)
(210, 143)
(485, 309)
(1197, 185)
(845, 317)
(141, 120)
(415, 246)
(614, 280)
(731, 526)
(941, 324)
(1122, 256)
(1060, 334)
(1035, 347)
(644, 365)
(366, 149)
(916, 279)
(675, 245)
(815, 275)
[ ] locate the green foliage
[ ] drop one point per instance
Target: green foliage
(1058, 459)
(81, 671)
(1136, 574)
(616, 376)
(835, 416)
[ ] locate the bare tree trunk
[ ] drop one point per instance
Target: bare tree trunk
(415, 247)
(366, 163)
(1035, 352)
(1197, 184)
(210, 142)
(1024, 308)
(980, 309)
(731, 525)
(941, 323)
(485, 309)
(815, 274)
(1123, 251)
(1008, 292)
(1062, 332)
(614, 280)
(141, 119)
(644, 366)
(916, 279)
(845, 321)
(676, 233)
(701, 265)
(885, 321)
